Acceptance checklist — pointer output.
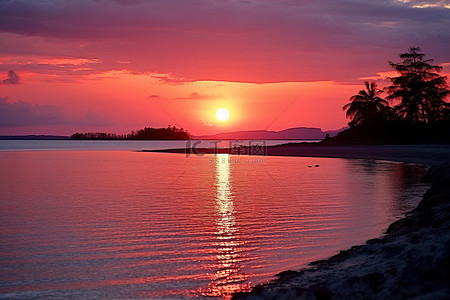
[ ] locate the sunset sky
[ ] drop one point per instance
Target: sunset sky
(119, 65)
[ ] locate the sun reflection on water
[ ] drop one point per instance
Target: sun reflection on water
(228, 277)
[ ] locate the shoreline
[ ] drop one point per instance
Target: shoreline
(411, 260)
(423, 154)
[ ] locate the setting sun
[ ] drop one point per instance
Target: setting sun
(222, 114)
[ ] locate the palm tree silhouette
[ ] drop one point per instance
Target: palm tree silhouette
(366, 106)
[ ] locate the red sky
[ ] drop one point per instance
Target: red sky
(116, 65)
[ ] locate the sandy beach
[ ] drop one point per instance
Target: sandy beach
(412, 261)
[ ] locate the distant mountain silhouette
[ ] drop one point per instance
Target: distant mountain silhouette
(298, 133)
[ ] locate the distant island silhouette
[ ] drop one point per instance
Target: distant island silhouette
(148, 133)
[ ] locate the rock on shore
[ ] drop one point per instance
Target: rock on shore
(412, 261)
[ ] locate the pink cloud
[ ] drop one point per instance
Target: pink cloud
(108, 56)
(242, 41)
(22, 114)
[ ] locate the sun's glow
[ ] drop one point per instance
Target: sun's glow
(222, 114)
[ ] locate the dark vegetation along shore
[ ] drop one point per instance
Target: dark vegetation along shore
(414, 110)
(412, 261)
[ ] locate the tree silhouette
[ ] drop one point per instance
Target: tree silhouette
(366, 106)
(148, 133)
(419, 87)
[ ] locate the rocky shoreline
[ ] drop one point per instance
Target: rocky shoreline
(412, 261)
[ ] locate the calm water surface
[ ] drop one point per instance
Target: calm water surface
(89, 145)
(123, 224)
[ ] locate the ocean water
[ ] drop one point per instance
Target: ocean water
(125, 224)
(132, 145)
